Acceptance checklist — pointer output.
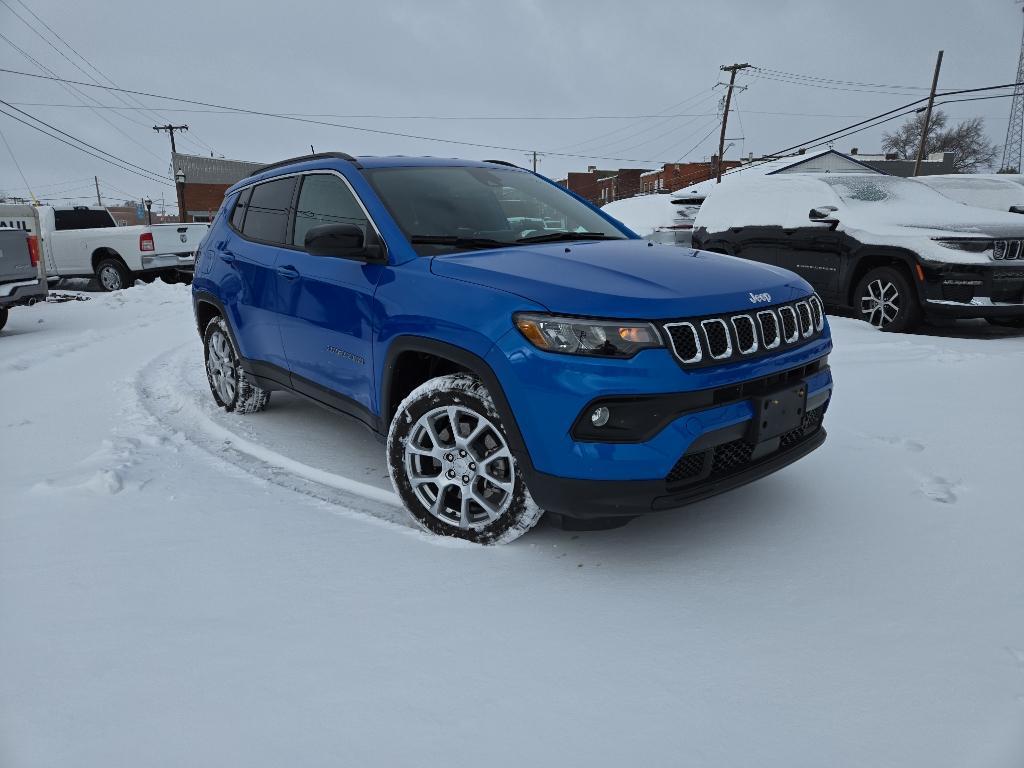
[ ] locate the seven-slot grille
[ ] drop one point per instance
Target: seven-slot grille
(1007, 250)
(735, 336)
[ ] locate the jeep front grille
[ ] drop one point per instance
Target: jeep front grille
(733, 337)
(1007, 250)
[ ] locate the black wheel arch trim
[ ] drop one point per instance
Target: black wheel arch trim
(472, 363)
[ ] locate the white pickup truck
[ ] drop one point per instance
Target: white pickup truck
(85, 241)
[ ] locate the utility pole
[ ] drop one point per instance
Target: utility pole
(171, 129)
(927, 116)
(732, 69)
(99, 200)
(535, 161)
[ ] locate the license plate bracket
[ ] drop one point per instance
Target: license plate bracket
(778, 412)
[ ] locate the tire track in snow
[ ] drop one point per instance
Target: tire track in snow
(178, 409)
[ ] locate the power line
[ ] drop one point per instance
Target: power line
(835, 81)
(439, 117)
(86, 151)
(67, 84)
(361, 129)
(14, 159)
(88, 63)
(80, 141)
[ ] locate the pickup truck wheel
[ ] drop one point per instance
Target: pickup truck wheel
(3, 317)
(886, 299)
(230, 388)
(112, 275)
(451, 464)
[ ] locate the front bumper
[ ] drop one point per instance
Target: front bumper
(595, 499)
(584, 478)
(974, 290)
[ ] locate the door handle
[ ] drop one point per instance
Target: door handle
(227, 256)
(288, 272)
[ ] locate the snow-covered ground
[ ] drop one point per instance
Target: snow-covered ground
(184, 587)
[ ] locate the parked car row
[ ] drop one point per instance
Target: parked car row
(85, 241)
(893, 250)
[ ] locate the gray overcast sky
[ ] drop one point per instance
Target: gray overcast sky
(507, 58)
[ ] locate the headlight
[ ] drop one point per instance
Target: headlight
(971, 245)
(577, 336)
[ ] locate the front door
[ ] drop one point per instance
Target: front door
(327, 304)
(813, 253)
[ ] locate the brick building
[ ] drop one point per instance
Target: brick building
(206, 180)
(672, 177)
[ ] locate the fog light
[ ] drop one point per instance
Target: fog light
(599, 417)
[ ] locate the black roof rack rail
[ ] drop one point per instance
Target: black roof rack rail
(502, 162)
(307, 158)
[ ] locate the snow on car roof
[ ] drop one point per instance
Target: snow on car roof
(644, 214)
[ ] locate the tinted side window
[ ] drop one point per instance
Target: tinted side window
(267, 215)
(325, 199)
(82, 219)
(238, 215)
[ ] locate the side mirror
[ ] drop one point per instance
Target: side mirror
(344, 241)
(824, 214)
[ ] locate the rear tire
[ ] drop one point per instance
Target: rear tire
(451, 464)
(3, 317)
(886, 299)
(230, 388)
(112, 275)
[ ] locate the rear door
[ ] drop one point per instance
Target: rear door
(327, 302)
(258, 231)
(15, 259)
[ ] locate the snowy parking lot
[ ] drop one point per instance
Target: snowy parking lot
(180, 586)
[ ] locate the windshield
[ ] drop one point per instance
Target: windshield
(861, 189)
(441, 209)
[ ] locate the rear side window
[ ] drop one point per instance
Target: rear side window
(82, 219)
(267, 215)
(238, 215)
(325, 199)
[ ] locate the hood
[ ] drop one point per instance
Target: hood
(624, 278)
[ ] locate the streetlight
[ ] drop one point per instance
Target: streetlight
(149, 210)
(179, 179)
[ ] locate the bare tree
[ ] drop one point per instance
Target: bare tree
(966, 140)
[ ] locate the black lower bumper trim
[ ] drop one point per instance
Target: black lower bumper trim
(628, 498)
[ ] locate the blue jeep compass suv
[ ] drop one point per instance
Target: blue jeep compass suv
(521, 350)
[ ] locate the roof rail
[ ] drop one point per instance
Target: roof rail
(307, 158)
(502, 162)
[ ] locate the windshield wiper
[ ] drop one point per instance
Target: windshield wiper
(553, 237)
(458, 242)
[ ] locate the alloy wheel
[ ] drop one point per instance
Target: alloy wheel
(460, 467)
(221, 364)
(880, 304)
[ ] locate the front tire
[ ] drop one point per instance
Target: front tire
(886, 299)
(3, 317)
(451, 464)
(228, 383)
(112, 275)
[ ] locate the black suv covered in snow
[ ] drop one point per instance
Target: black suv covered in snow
(892, 249)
